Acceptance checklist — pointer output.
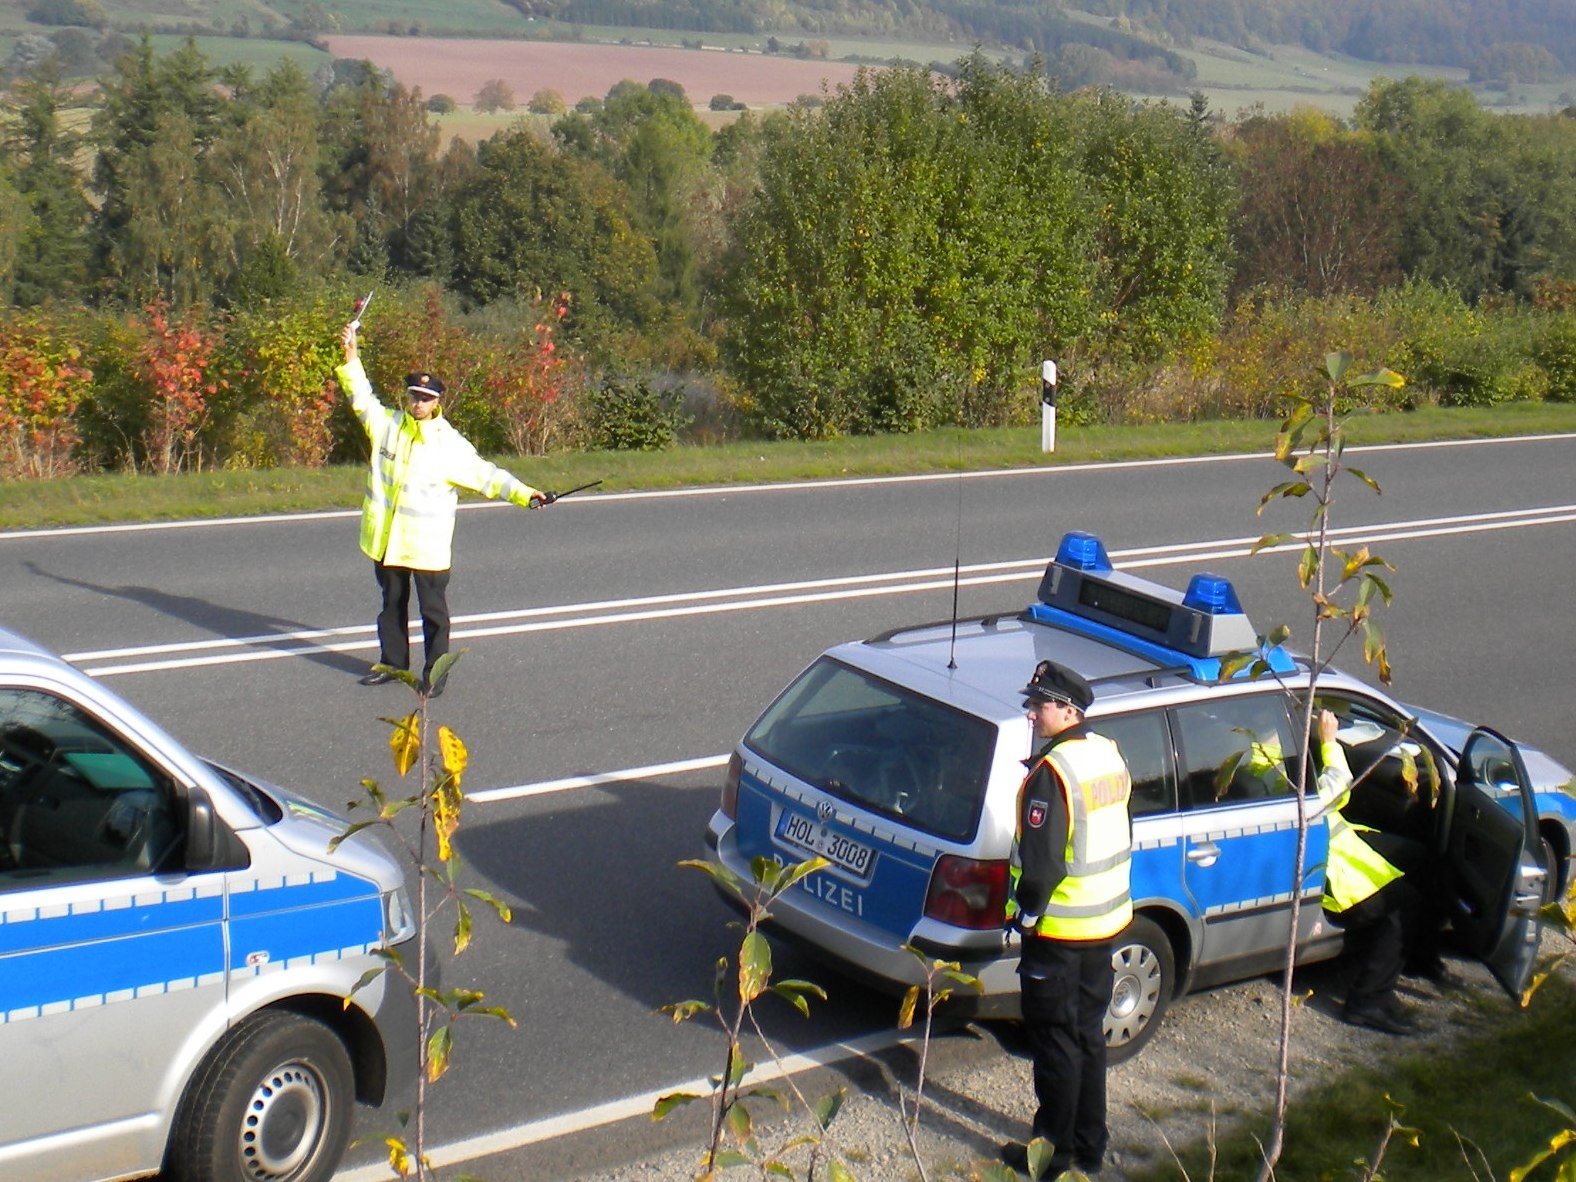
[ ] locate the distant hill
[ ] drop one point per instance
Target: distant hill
(1441, 32)
(1135, 45)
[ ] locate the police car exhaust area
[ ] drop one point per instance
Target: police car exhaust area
(192, 918)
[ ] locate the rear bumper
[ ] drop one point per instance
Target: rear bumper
(870, 955)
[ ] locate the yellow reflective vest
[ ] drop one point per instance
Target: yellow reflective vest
(413, 481)
(1094, 901)
(1353, 869)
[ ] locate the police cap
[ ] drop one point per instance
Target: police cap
(423, 383)
(1056, 683)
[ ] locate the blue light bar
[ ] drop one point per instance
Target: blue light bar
(1083, 552)
(1212, 594)
(1081, 591)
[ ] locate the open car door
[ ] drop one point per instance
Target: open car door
(1497, 878)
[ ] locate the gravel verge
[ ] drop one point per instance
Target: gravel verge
(1211, 1065)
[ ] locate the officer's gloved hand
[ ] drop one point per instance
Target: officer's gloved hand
(1015, 926)
(543, 499)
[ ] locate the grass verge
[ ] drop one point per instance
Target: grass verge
(99, 499)
(1470, 1101)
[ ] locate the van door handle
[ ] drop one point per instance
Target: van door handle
(1204, 854)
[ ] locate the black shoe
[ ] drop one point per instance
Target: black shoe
(434, 690)
(1438, 974)
(1379, 1017)
(377, 677)
(1016, 1155)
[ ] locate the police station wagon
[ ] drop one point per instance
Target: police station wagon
(898, 760)
(179, 953)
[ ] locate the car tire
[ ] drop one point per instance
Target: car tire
(1551, 877)
(1145, 969)
(271, 1103)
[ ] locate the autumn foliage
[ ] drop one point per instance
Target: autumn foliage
(43, 379)
(176, 361)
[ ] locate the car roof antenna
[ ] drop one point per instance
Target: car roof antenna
(957, 563)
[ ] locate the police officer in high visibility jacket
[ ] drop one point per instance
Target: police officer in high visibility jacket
(419, 464)
(1389, 925)
(1070, 897)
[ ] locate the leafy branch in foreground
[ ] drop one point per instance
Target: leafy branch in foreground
(438, 800)
(1311, 442)
(942, 979)
(730, 1112)
(1559, 917)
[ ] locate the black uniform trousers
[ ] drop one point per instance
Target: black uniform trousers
(1392, 928)
(1066, 988)
(432, 594)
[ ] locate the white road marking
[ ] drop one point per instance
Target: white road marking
(547, 787)
(361, 637)
(537, 1131)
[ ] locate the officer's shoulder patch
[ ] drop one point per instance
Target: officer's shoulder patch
(1036, 814)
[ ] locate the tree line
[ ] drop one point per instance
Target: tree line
(899, 256)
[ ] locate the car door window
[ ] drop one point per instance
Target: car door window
(1145, 743)
(76, 802)
(1233, 750)
(1395, 771)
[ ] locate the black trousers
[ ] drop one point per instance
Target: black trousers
(432, 593)
(1066, 992)
(1392, 928)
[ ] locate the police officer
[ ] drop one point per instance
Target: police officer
(419, 464)
(1387, 920)
(1070, 897)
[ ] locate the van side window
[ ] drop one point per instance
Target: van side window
(76, 803)
(1145, 743)
(1234, 750)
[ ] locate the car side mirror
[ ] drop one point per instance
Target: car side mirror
(210, 843)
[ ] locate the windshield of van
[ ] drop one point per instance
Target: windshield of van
(879, 746)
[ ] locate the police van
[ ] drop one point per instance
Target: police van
(180, 953)
(898, 760)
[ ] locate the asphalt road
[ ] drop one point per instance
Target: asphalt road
(619, 644)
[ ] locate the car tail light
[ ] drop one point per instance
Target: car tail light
(967, 893)
(730, 787)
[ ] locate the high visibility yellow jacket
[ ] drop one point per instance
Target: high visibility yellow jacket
(413, 481)
(1080, 779)
(1353, 869)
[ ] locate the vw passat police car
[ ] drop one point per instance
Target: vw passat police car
(898, 760)
(180, 953)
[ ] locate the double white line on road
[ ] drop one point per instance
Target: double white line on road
(362, 637)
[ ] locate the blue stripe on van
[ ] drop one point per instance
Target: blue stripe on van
(352, 926)
(319, 887)
(109, 950)
(107, 971)
(27, 930)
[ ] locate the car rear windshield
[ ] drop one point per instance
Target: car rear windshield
(881, 747)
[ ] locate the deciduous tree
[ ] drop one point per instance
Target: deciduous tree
(533, 220)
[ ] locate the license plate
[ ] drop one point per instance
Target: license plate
(800, 831)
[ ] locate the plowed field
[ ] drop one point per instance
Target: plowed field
(458, 68)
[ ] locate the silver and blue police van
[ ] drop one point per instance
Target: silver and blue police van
(898, 759)
(180, 952)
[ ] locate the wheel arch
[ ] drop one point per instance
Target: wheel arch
(356, 1029)
(1179, 934)
(1553, 831)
